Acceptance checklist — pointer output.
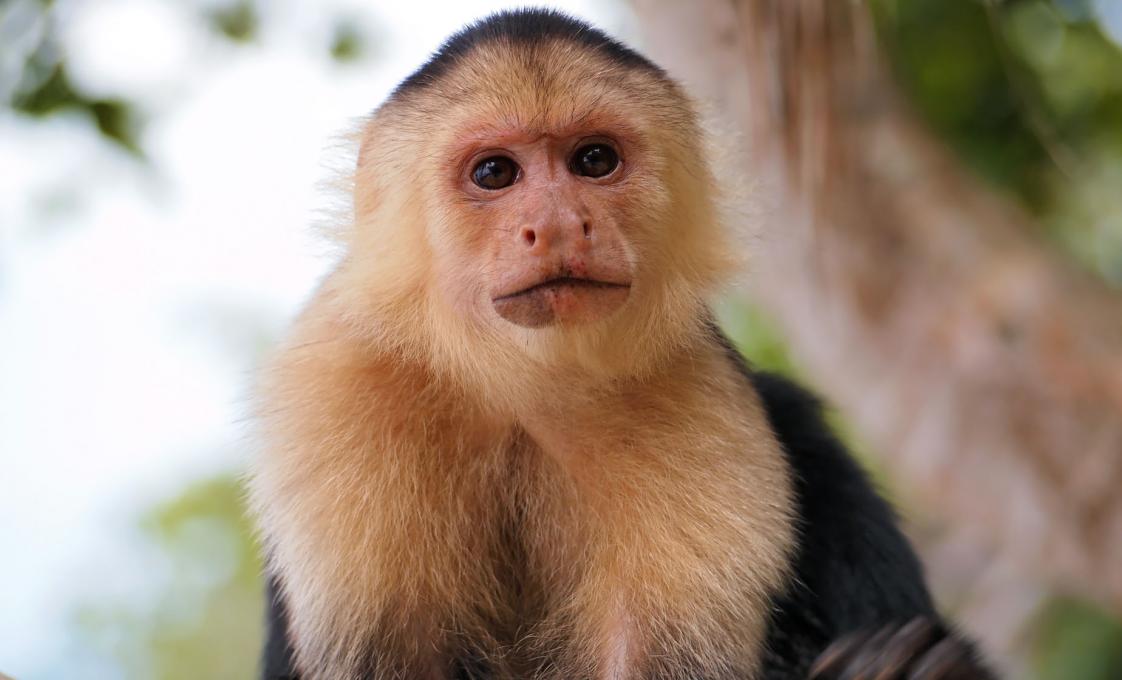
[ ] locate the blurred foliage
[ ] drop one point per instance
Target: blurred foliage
(43, 86)
(30, 38)
(347, 44)
(115, 118)
(1077, 640)
(239, 21)
(1029, 93)
(755, 335)
(206, 620)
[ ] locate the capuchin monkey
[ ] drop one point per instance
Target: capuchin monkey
(505, 438)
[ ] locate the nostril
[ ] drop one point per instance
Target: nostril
(529, 236)
(587, 230)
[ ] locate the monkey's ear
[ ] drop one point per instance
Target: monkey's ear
(388, 262)
(367, 137)
(391, 191)
(386, 173)
(367, 183)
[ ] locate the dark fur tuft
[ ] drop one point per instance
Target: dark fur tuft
(523, 26)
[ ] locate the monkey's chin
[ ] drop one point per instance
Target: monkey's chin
(562, 302)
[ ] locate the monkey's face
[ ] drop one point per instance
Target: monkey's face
(546, 220)
(538, 199)
(569, 199)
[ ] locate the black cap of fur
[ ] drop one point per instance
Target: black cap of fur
(530, 26)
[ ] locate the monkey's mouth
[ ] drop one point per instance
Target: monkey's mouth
(565, 299)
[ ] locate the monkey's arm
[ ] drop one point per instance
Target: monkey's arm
(922, 649)
(855, 573)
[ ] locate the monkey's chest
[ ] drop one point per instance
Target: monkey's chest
(613, 564)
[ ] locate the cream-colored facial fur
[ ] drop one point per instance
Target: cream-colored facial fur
(437, 484)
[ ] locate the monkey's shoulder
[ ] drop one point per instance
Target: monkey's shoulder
(844, 521)
(853, 567)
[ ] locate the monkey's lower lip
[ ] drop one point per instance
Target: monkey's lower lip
(564, 299)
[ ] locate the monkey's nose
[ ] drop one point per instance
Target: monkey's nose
(542, 238)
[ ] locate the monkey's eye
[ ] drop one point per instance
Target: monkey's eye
(594, 160)
(496, 172)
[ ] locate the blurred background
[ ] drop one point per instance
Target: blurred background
(936, 240)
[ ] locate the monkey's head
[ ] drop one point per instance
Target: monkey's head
(539, 194)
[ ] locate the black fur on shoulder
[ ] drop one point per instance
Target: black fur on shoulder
(529, 26)
(854, 569)
(850, 541)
